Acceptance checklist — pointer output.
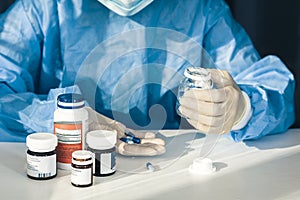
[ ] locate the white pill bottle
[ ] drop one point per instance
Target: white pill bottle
(70, 127)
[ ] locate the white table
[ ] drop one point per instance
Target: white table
(268, 168)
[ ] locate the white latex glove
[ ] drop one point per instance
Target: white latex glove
(214, 110)
(150, 145)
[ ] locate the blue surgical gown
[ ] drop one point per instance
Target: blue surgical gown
(129, 68)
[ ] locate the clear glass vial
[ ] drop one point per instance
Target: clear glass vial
(41, 156)
(102, 144)
(82, 168)
(194, 77)
(70, 126)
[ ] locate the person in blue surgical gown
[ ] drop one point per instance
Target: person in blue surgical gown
(127, 58)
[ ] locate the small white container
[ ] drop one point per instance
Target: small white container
(41, 156)
(70, 127)
(82, 168)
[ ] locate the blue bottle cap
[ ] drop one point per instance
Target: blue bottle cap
(70, 101)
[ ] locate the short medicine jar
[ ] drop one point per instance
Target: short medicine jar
(82, 168)
(41, 156)
(102, 144)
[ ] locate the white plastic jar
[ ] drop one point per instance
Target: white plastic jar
(70, 127)
(41, 156)
(102, 144)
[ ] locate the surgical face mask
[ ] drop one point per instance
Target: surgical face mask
(125, 7)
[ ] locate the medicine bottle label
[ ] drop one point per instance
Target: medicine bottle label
(41, 167)
(81, 176)
(104, 163)
(69, 137)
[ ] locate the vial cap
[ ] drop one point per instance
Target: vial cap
(202, 166)
(70, 101)
(197, 73)
(41, 142)
(101, 139)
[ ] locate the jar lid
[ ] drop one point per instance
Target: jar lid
(197, 73)
(41, 142)
(82, 157)
(101, 139)
(82, 154)
(70, 101)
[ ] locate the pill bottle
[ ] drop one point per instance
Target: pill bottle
(70, 127)
(41, 156)
(102, 144)
(82, 168)
(194, 77)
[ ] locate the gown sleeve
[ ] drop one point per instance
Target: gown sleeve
(267, 81)
(24, 108)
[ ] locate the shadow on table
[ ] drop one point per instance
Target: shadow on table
(282, 140)
(220, 166)
(275, 179)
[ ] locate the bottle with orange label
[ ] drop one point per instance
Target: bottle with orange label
(70, 127)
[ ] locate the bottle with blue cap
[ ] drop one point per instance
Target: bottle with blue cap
(70, 127)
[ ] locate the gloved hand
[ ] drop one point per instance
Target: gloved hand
(214, 110)
(149, 146)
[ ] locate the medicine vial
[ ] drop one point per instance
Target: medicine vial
(82, 168)
(41, 156)
(194, 77)
(102, 144)
(70, 127)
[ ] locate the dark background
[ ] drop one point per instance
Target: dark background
(274, 27)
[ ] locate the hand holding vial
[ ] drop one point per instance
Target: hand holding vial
(210, 100)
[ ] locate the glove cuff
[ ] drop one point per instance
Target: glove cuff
(246, 115)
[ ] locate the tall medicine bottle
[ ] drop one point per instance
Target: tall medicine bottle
(70, 127)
